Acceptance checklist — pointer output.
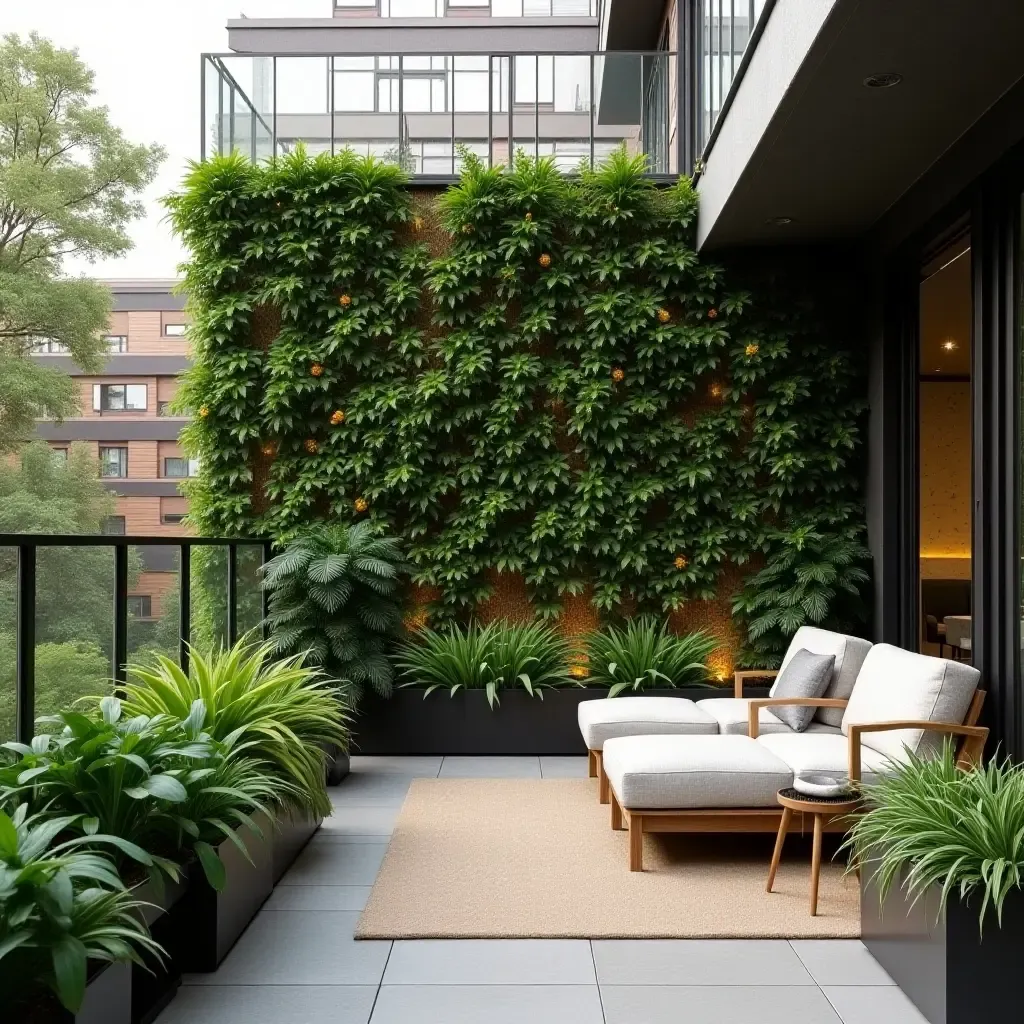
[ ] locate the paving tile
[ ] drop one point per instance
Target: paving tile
(490, 768)
(698, 962)
(329, 863)
(318, 897)
(840, 962)
(291, 947)
(359, 821)
(564, 768)
(270, 1004)
(371, 791)
(495, 1004)
(709, 1004)
(491, 962)
(413, 767)
(867, 1004)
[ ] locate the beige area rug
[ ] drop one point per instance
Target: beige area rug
(536, 858)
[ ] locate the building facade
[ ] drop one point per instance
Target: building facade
(125, 419)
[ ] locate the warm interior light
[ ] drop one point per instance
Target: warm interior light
(945, 554)
(949, 345)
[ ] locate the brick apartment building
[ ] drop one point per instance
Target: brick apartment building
(125, 419)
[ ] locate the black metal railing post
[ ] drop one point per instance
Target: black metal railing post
(232, 594)
(184, 605)
(119, 657)
(268, 553)
(25, 698)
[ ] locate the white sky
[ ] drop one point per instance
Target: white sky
(145, 55)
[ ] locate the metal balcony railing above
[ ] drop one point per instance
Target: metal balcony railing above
(417, 110)
(466, 8)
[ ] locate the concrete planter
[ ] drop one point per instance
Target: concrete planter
(465, 724)
(951, 972)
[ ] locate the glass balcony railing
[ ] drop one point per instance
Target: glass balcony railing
(464, 8)
(416, 110)
(725, 29)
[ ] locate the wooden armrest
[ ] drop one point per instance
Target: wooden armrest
(755, 705)
(743, 674)
(975, 736)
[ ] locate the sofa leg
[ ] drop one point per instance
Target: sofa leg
(592, 764)
(603, 788)
(616, 815)
(636, 842)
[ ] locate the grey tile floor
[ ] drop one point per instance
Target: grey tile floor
(298, 963)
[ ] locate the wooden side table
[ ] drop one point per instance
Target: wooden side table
(823, 808)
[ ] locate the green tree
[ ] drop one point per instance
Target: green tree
(69, 182)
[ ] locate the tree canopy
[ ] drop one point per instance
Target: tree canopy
(69, 187)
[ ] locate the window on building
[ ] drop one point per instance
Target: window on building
(113, 461)
(140, 606)
(48, 347)
(117, 342)
(172, 518)
(60, 454)
(119, 397)
(113, 526)
(174, 330)
(178, 467)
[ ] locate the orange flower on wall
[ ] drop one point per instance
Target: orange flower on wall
(664, 315)
(545, 259)
(311, 446)
(361, 504)
(681, 562)
(204, 411)
(316, 370)
(618, 374)
(345, 300)
(712, 313)
(269, 448)
(337, 417)
(751, 350)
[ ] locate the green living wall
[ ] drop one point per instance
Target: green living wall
(527, 375)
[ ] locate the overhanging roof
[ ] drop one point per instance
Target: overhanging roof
(805, 139)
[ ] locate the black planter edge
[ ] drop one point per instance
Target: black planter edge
(108, 997)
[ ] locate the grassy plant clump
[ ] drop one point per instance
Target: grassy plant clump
(491, 657)
(645, 654)
(931, 823)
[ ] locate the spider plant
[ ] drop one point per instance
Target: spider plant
(960, 830)
(275, 709)
(491, 657)
(60, 907)
(162, 784)
(644, 653)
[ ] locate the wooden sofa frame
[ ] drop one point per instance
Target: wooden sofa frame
(970, 745)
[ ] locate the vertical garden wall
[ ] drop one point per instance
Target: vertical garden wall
(532, 380)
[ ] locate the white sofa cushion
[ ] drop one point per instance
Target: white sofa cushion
(849, 651)
(681, 772)
(826, 753)
(733, 717)
(601, 720)
(896, 684)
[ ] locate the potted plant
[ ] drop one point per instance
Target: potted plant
(335, 595)
(68, 928)
(941, 857)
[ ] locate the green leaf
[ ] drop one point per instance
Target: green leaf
(213, 866)
(69, 956)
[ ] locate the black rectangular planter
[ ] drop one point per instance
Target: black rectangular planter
(291, 834)
(953, 974)
(155, 985)
(206, 923)
(406, 723)
(108, 1000)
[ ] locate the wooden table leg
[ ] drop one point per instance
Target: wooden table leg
(636, 842)
(787, 815)
(816, 863)
(616, 814)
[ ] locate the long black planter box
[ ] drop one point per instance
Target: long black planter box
(952, 973)
(205, 924)
(291, 834)
(155, 984)
(406, 723)
(108, 1000)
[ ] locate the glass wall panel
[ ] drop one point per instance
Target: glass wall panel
(8, 641)
(153, 602)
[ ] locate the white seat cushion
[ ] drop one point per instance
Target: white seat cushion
(826, 753)
(849, 651)
(732, 713)
(683, 772)
(896, 684)
(604, 719)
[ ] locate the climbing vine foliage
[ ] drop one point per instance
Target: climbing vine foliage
(530, 373)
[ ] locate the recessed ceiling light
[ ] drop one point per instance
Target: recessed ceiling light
(780, 222)
(949, 345)
(883, 80)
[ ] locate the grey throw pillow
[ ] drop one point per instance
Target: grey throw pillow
(805, 675)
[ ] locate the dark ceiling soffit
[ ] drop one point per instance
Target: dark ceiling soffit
(98, 428)
(633, 24)
(122, 366)
(143, 488)
(147, 302)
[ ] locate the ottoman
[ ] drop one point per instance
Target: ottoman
(614, 717)
(692, 784)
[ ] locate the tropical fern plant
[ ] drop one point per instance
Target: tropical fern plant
(929, 823)
(490, 657)
(61, 905)
(645, 653)
(335, 595)
(275, 710)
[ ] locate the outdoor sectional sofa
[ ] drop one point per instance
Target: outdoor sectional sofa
(694, 779)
